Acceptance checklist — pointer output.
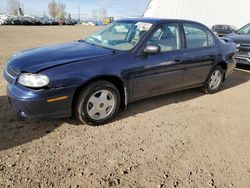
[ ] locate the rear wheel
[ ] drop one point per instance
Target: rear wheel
(214, 80)
(98, 103)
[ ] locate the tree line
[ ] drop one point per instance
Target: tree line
(55, 9)
(14, 7)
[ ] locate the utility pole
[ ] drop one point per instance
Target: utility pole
(22, 7)
(79, 12)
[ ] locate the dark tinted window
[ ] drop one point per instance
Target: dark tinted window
(196, 36)
(210, 37)
(167, 37)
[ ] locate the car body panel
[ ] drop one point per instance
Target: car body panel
(30, 103)
(161, 70)
(238, 38)
(37, 59)
(198, 63)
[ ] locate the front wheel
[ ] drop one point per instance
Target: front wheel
(214, 80)
(98, 103)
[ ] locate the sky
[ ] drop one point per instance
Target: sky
(116, 8)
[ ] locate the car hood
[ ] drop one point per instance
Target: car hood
(37, 59)
(239, 38)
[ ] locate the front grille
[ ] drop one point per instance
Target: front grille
(9, 74)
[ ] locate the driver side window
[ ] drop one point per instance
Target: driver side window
(167, 37)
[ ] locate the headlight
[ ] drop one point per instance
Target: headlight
(33, 80)
(237, 45)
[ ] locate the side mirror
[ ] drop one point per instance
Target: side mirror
(152, 49)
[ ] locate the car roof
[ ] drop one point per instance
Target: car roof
(154, 20)
(219, 25)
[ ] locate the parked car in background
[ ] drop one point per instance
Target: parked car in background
(95, 77)
(14, 20)
(45, 21)
(2, 22)
(29, 20)
(5, 20)
(222, 30)
(242, 40)
(69, 22)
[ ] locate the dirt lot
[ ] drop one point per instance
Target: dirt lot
(184, 139)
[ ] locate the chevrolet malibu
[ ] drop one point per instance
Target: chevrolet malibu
(128, 60)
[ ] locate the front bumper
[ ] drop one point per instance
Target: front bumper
(245, 60)
(243, 57)
(34, 104)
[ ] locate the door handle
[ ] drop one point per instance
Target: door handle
(188, 60)
(212, 55)
(177, 60)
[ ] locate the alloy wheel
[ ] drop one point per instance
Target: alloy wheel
(215, 79)
(101, 104)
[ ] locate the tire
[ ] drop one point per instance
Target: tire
(214, 80)
(98, 103)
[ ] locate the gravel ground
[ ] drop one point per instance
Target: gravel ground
(184, 139)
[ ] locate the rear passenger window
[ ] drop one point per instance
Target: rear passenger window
(197, 36)
(210, 39)
(167, 37)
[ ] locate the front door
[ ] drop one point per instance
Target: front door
(159, 73)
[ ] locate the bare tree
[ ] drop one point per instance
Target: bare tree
(104, 13)
(13, 6)
(61, 10)
(94, 14)
(53, 10)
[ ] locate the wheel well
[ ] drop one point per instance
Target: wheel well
(113, 79)
(224, 66)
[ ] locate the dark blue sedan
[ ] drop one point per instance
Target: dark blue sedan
(127, 61)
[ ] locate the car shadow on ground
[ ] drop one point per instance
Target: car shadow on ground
(15, 131)
(237, 78)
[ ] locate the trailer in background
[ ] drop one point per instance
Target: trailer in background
(212, 12)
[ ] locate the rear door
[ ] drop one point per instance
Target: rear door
(200, 53)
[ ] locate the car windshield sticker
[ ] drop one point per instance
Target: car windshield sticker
(143, 26)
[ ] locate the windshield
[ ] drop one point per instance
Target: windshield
(234, 28)
(120, 36)
(245, 30)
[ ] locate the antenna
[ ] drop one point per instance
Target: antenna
(22, 8)
(79, 12)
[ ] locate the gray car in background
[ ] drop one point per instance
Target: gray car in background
(222, 30)
(242, 40)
